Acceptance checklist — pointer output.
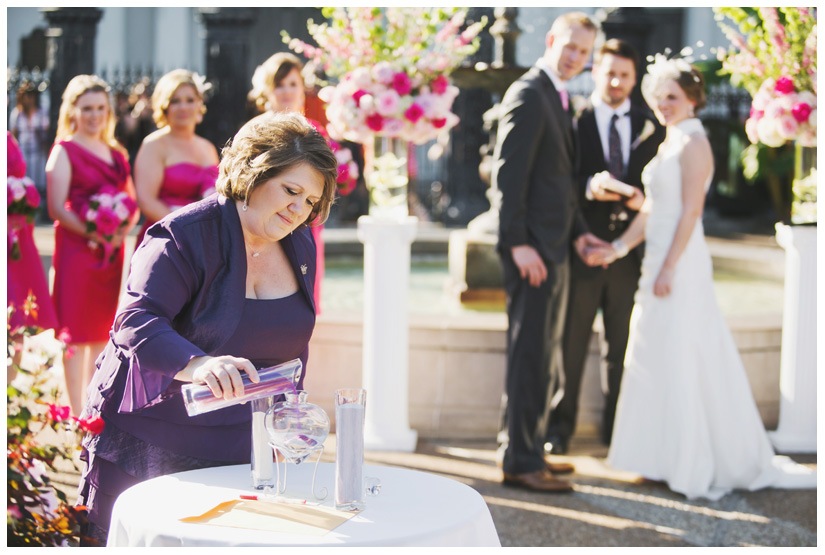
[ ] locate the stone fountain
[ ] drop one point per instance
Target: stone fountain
(475, 269)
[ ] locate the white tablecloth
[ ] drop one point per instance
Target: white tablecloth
(413, 509)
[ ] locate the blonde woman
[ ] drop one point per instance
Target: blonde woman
(85, 158)
(174, 166)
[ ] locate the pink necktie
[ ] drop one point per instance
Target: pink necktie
(565, 99)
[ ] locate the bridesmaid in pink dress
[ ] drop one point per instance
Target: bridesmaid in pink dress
(84, 158)
(277, 86)
(174, 166)
(24, 275)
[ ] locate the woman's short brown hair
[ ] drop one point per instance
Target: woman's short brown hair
(269, 145)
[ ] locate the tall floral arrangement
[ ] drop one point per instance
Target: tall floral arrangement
(389, 68)
(774, 58)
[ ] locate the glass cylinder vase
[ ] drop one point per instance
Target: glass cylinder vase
(387, 178)
(803, 208)
(350, 405)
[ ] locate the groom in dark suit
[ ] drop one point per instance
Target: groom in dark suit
(621, 139)
(533, 167)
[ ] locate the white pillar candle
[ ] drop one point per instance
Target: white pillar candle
(349, 456)
(262, 473)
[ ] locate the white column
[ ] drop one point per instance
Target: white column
(796, 432)
(386, 332)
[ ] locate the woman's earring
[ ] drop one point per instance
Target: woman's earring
(244, 207)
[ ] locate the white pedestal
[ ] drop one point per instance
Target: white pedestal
(796, 432)
(386, 332)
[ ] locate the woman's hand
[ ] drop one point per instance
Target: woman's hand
(222, 374)
(664, 282)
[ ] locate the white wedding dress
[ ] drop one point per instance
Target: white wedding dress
(686, 414)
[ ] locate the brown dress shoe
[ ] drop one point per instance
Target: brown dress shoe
(540, 480)
(559, 467)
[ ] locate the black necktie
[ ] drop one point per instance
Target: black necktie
(615, 165)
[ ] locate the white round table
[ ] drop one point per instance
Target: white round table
(413, 509)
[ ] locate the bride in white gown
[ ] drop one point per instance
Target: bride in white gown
(685, 413)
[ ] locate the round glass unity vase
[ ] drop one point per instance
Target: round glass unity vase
(803, 209)
(297, 429)
(386, 177)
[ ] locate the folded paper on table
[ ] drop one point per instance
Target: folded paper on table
(273, 517)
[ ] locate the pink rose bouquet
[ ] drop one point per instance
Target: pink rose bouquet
(779, 114)
(774, 58)
(107, 212)
(22, 201)
(391, 67)
(347, 168)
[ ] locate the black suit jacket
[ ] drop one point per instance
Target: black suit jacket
(591, 161)
(534, 168)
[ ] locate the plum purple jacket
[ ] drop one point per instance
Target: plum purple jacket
(184, 298)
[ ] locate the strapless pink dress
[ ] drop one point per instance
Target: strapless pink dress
(85, 290)
(25, 274)
(183, 183)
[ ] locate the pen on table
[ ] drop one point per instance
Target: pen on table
(275, 500)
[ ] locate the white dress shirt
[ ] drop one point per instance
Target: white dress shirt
(604, 114)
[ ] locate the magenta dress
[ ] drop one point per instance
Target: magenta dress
(85, 289)
(25, 274)
(183, 183)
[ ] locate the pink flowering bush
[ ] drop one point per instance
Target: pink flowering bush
(37, 513)
(391, 66)
(107, 212)
(775, 60)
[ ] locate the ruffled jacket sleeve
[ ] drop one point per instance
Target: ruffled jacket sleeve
(143, 331)
(183, 299)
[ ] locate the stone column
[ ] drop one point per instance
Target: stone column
(70, 50)
(386, 332)
(228, 32)
(796, 432)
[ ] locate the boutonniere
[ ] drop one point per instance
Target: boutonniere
(647, 131)
(578, 103)
(304, 269)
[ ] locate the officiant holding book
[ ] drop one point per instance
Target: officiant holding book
(618, 139)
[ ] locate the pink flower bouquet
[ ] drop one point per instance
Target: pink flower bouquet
(107, 212)
(774, 58)
(779, 114)
(391, 66)
(347, 168)
(22, 201)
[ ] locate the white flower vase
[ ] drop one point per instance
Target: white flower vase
(803, 209)
(387, 178)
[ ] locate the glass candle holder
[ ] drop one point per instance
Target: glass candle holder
(350, 405)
